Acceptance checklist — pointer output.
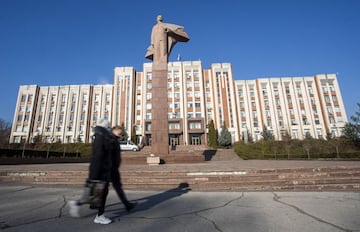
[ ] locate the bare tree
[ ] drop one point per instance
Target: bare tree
(5, 129)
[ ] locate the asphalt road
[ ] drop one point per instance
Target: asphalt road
(44, 208)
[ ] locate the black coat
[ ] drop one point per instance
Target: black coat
(115, 154)
(101, 160)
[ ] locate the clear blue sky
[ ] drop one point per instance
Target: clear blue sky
(63, 42)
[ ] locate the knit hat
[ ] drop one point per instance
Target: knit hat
(102, 122)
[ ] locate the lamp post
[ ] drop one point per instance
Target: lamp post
(48, 148)
(23, 150)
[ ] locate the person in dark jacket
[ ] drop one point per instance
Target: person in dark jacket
(115, 175)
(100, 169)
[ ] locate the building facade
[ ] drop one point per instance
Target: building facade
(295, 106)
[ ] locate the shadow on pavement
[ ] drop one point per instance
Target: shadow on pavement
(149, 202)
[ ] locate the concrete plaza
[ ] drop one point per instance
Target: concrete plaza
(34, 208)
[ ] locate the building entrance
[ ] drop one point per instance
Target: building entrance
(174, 140)
(195, 140)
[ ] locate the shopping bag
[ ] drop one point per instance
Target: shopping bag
(93, 191)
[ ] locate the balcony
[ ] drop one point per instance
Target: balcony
(196, 125)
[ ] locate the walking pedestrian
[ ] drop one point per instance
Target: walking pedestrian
(99, 170)
(115, 174)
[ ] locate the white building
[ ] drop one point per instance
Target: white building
(296, 106)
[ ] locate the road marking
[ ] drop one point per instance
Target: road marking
(214, 173)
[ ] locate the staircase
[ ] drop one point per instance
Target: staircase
(337, 178)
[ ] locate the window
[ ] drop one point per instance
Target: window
(196, 73)
(267, 113)
(23, 98)
(281, 123)
(96, 108)
(339, 119)
(264, 91)
(30, 98)
(287, 90)
(254, 114)
(51, 118)
(107, 97)
(53, 98)
(174, 126)
(149, 76)
(63, 98)
(268, 122)
(82, 117)
(334, 98)
(195, 125)
(188, 74)
(276, 92)
(148, 96)
(97, 97)
(148, 126)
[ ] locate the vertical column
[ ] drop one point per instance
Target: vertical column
(159, 118)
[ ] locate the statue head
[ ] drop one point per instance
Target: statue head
(159, 18)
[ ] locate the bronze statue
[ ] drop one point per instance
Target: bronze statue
(163, 38)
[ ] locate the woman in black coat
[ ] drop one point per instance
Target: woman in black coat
(99, 170)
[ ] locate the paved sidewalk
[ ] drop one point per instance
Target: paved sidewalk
(38, 208)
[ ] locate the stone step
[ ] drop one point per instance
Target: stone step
(136, 158)
(238, 187)
(272, 179)
(224, 175)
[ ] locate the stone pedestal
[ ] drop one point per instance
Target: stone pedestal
(159, 113)
(153, 160)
